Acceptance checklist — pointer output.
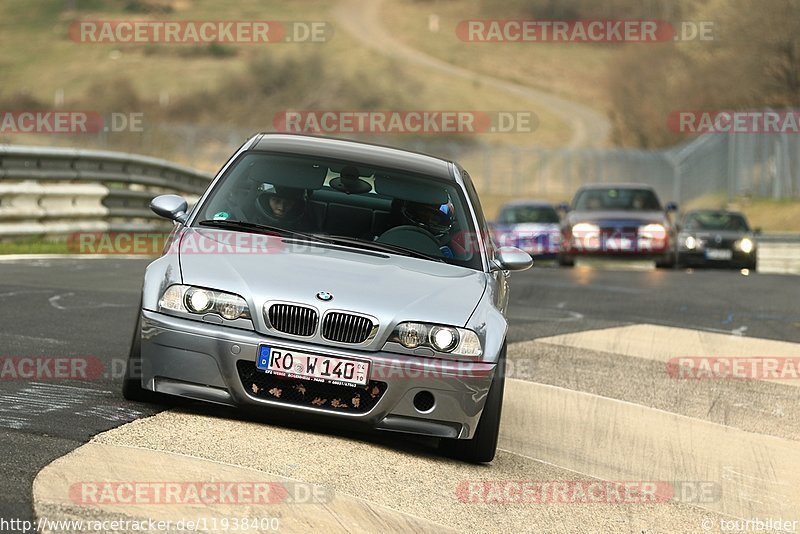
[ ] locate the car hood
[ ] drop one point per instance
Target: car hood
(618, 218)
(723, 234)
(390, 287)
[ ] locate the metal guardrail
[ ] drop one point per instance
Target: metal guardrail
(779, 256)
(779, 237)
(51, 191)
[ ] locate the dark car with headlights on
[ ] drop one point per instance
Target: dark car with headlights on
(716, 238)
(333, 279)
(620, 221)
(531, 225)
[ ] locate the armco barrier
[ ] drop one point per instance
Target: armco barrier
(52, 191)
(779, 253)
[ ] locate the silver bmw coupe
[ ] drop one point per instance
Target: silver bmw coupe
(337, 279)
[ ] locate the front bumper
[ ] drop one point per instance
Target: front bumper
(213, 363)
(698, 258)
(615, 246)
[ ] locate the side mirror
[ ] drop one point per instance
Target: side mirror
(563, 206)
(671, 206)
(757, 231)
(512, 259)
(171, 207)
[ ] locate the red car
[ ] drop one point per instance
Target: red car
(622, 221)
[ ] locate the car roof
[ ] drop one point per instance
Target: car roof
(350, 150)
(616, 186)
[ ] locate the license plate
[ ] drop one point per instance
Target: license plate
(619, 243)
(294, 364)
(718, 254)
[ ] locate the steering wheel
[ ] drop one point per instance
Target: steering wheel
(412, 237)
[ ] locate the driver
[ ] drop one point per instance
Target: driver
(285, 207)
(435, 219)
(639, 201)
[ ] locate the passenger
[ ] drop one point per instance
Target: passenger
(594, 203)
(285, 207)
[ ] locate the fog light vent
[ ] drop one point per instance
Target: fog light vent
(424, 401)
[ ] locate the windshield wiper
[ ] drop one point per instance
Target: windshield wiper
(381, 247)
(325, 238)
(259, 228)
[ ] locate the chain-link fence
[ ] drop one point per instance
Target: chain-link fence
(756, 165)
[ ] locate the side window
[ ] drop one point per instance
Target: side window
(488, 238)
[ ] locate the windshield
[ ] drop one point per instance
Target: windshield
(373, 206)
(716, 220)
(528, 214)
(633, 199)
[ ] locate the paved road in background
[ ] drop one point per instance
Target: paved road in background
(361, 18)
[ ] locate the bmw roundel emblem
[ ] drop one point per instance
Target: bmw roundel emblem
(324, 295)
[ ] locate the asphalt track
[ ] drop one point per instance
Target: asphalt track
(589, 347)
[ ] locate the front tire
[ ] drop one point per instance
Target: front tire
(483, 445)
(566, 261)
(667, 262)
(132, 381)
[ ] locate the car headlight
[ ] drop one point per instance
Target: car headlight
(582, 229)
(443, 338)
(198, 300)
(653, 231)
(745, 244)
(690, 242)
(446, 339)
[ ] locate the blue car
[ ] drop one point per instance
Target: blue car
(530, 225)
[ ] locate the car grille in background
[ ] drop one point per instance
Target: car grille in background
(346, 327)
(629, 232)
(293, 319)
(724, 242)
(358, 399)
